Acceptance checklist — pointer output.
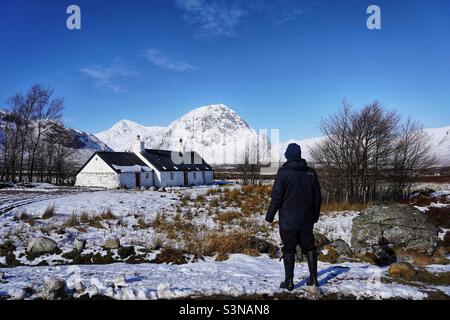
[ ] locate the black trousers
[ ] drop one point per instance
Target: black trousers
(292, 238)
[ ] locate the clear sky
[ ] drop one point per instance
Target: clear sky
(280, 64)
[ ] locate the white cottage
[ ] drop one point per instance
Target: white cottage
(144, 168)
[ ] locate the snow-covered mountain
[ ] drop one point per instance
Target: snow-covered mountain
(216, 132)
(440, 144)
(220, 135)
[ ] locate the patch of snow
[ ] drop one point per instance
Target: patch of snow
(336, 225)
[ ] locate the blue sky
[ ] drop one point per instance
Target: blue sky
(279, 63)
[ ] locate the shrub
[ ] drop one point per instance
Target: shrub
(49, 212)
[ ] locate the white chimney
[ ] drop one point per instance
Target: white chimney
(181, 146)
(138, 145)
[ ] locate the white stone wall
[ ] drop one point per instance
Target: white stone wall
(97, 173)
(108, 180)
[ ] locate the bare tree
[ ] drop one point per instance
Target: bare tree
(26, 124)
(361, 147)
(45, 112)
(411, 156)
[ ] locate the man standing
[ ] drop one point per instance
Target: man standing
(296, 196)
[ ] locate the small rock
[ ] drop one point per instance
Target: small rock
(121, 281)
(79, 244)
(41, 245)
(54, 288)
(113, 243)
(402, 270)
(79, 287)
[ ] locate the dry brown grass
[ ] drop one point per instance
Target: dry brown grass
(142, 224)
(344, 206)
(72, 221)
(84, 217)
(108, 215)
(49, 212)
(439, 216)
(235, 242)
(25, 217)
(228, 216)
(421, 201)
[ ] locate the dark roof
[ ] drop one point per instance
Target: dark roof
(162, 160)
(122, 159)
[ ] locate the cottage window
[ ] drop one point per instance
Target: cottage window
(195, 175)
(147, 176)
(172, 177)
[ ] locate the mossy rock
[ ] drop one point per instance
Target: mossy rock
(32, 256)
(170, 255)
(78, 258)
(125, 252)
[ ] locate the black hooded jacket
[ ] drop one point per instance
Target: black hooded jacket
(296, 196)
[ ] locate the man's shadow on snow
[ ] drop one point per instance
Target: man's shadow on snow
(332, 272)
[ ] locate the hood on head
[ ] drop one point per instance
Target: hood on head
(293, 152)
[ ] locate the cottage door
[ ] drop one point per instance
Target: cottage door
(186, 182)
(138, 180)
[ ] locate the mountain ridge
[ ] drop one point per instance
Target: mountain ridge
(204, 129)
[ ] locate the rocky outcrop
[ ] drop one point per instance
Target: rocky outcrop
(381, 231)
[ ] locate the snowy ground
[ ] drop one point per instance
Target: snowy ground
(237, 276)
(240, 275)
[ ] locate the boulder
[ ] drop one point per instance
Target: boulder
(54, 288)
(79, 244)
(342, 248)
(380, 231)
(41, 245)
(402, 270)
(113, 243)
